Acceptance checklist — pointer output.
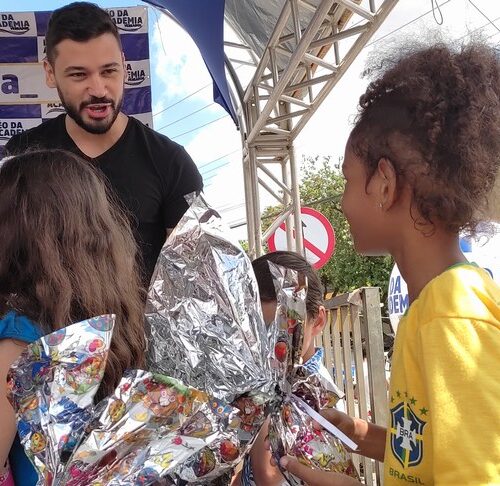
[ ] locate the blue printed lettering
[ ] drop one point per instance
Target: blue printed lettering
(398, 303)
(403, 302)
(10, 84)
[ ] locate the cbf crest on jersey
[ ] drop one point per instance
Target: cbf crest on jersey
(406, 435)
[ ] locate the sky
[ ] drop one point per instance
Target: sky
(183, 107)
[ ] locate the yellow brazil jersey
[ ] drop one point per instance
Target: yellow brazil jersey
(444, 399)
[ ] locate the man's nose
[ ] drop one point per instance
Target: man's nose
(97, 86)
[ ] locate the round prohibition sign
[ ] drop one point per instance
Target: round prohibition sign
(318, 236)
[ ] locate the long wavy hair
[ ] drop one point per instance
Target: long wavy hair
(67, 253)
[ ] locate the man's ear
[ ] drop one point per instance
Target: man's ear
(50, 78)
(319, 322)
(388, 187)
(125, 74)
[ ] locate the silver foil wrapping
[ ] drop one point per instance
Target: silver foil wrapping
(52, 387)
(291, 430)
(204, 313)
(215, 371)
(207, 330)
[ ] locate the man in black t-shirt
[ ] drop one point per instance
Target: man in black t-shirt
(149, 173)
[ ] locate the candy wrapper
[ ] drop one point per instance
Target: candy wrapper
(52, 386)
(303, 393)
(150, 426)
(207, 330)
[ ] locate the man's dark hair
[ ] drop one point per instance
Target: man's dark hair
(80, 22)
(293, 261)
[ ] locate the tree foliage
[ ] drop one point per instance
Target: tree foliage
(321, 187)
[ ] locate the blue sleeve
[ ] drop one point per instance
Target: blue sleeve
(23, 471)
(14, 326)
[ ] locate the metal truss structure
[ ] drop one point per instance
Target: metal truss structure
(291, 79)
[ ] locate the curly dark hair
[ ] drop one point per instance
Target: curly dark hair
(435, 114)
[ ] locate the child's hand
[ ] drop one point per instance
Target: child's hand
(314, 477)
(342, 421)
(369, 437)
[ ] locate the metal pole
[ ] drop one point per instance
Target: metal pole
(255, 200)
(294, 180)
(307, 37)
(249, 207)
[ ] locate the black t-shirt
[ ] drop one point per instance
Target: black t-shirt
(148, 172)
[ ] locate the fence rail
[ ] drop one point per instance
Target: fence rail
(354, 355)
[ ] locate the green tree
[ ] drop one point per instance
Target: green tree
(321, 187)
(244, 245)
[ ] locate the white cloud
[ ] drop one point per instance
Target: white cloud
(177, 62)
(214, 140)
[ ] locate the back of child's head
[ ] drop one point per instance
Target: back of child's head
(434, 113)
(67, 251)
(293, 261)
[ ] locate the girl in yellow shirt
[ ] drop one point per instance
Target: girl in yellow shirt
(419, 166)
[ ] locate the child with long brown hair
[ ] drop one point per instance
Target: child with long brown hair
(67, 253)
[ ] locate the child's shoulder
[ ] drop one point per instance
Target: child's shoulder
(463, 291)
(15, 326)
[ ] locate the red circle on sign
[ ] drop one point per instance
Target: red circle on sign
(322, 255)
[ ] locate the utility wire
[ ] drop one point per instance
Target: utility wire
(436, 8)
(211, 170)
(484, 15)
(370, 44)
(183, 99)
(184, 117)
(197, 128)
(336, 197)
(209, 84)
(478, 29)
(404, 25)
(219, 158)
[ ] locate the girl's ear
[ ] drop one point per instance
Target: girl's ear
(319, 322)
(387, 177)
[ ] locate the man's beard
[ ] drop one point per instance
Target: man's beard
(98, 127)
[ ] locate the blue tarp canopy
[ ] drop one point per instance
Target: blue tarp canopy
(204, 21)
